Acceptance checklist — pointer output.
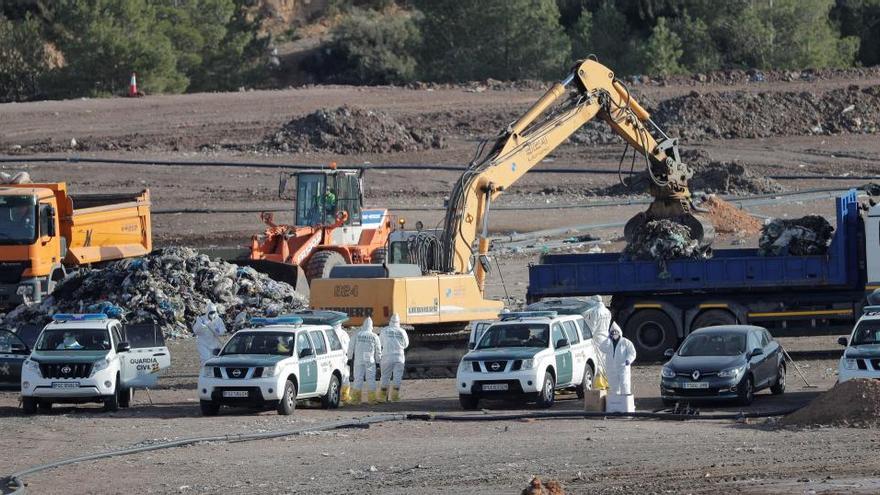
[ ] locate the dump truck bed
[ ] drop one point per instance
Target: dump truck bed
(728, 269)
(105, 227)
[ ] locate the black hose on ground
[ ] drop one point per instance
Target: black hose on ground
(14, 485)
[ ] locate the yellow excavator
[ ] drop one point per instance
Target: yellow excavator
(435, 281)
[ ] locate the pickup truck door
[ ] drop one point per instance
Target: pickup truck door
(564, 364)
(324, 360)
(578, 350)
(13, 352)
(148, 357)
(308, 365)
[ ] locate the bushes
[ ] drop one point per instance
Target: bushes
(23, 59)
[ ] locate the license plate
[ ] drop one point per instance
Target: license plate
(65, 384)
(696, 385)
(235, 393)
(489, 387)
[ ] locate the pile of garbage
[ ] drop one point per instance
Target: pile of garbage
(664, 240)
(350, 130)
(803, 236)
(170, 287)
(851, 403)
(743, 114)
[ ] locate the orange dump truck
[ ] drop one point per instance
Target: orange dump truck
(45, 232)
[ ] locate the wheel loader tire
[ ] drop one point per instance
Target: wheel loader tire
(379, 256)
(321, 263)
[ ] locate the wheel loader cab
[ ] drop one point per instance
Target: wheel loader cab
(321, 196)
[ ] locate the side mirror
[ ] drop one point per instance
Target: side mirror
(561, 343)
(306, 352)
(51, 219)
(843, 341)
(18, 348)
(123, 347)
(756, 352)
(669, 353)
(472, 345)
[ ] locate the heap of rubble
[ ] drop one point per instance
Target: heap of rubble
(809, 235)
(664, 240)
(170, 287)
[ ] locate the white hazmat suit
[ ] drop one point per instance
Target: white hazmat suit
(394, 341)
(618, 353)
(208, 328)
(365, 350)
(599, 321)
(345, 340)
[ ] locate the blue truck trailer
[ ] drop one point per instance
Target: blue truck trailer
(788, 295)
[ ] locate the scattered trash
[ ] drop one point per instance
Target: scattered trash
(804, 236)
(536, 487)
(170, 287)
(580, 238)
(663, 240)
(349, 130)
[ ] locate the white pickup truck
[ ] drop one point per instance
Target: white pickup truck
(91, 358)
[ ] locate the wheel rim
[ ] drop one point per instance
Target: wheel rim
(782, 376)
(548, 389)
(749, 390)
(289, 397)
(334, 392)
(588, 379)
(650, 335)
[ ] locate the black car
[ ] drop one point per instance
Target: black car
(13, 351)
(723, 362)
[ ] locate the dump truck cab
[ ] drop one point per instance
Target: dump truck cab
(31, 249)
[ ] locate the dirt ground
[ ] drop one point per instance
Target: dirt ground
(587, 456)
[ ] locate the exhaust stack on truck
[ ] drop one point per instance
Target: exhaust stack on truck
(44, 232)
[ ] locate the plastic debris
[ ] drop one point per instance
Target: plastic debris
(809, 235)
(664, 240)
(170, 287)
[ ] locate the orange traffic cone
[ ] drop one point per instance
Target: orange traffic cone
(133, 86)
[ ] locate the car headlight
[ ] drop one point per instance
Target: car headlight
(527, 364)
(100, 366)
(270, 371)
(208, 372)
(850, 364)
(731, 373)
(32, 366)
(667, 373)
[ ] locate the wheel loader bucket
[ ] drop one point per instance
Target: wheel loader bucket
(280, 272)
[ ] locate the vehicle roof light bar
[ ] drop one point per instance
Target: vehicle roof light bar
(322, 317)
(516, 315)
(277, 320)
(62, 317)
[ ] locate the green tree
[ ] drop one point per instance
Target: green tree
(371, 47)
(699, 51)
(663, 51)
(503, 39)
(103, 41)
(612, 40)
(861, 18)
(581, 35)
(23, 59)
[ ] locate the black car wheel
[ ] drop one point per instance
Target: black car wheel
(668, 402)
(125, 395)
(586, 383)
(287, 404)
(779, 387)
(209, 407)
(331, 399)
(746, 391)
(111, 402)
(468, 402)
(29, 405)
(45, 405)
(547, 396)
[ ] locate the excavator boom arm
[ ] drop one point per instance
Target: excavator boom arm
(528, 140)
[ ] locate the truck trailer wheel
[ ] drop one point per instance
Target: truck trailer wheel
(713, 317)
(321, 263)
(651, 332)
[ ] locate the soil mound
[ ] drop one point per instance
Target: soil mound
(741, 114)
(710, 176)
(851, 403)
(350, 130)
(729, 219)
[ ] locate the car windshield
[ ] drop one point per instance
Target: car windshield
(867, 332)
(8, 340)
(714, 344)
(17, 220)
(74, 339)
(516, 335)
(273, 343)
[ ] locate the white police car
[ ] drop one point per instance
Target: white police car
(861, 359)
(91, 358)
(528, 355)
(274, 364)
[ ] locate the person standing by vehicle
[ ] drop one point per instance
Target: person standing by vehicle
(365, 350)
(345, 340)
(208, 328)
(394, 341)
(619, 354)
